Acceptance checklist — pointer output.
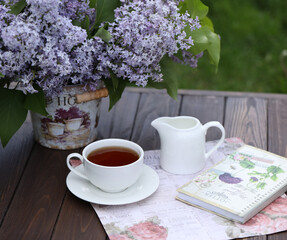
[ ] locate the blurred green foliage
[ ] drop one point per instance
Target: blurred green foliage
(253, 37)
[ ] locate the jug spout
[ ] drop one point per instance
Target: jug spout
(160, 124)
(176, 124)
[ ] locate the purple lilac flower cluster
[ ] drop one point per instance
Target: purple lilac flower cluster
(188, 59)
(41, 45)
(76, 9)
(142, 33)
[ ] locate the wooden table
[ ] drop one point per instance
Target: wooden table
(35, 202)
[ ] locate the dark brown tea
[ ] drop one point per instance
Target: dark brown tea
(113, 156)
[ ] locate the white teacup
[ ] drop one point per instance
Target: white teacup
(109, 179)
(56, 129)
(73, 124)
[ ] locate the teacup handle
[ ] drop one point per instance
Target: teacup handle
(218, 125)
(74, 170)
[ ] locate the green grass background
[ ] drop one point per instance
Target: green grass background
(253, 37)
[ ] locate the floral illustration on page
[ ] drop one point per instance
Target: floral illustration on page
(257, 180)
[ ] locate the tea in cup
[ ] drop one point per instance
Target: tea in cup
(112, 165)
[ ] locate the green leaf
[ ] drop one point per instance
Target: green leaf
(274, 177)
(115, 92)
(115, 82)
(4, 82)
(105, 10)
(104, 35)
(85, 24)
(93, 3)
(261, 185)
(194, 8)
(200, 41)
(18, 7)
(12, 113)
(263, 175)
(258, 173)
(275, 170)
(76, 22)
(1, 75)
(36, 102)
(205, 39)
(206, 22)
(169, 78)
(214, 48)
(247, 164)
(254, 173)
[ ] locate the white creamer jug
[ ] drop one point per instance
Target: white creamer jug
(183, 143)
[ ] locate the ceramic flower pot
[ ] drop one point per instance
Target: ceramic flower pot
(71, 125)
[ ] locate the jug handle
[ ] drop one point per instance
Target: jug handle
(221, 128)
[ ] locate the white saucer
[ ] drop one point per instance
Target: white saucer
(144, 187)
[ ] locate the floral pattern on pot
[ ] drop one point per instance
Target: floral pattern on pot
(70, 125)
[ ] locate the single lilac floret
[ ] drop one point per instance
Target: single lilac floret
(254, 179)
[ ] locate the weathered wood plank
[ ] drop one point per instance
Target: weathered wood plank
(152, 106)
(277, 138)
(187, 92)
(78, 220)
(118, 122)
(37, 201)
(277, 128)
(277, 236)
(205, 108)
(13, 159)
(254, 238)
(246, 118)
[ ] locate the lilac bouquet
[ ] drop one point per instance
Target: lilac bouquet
(40, 47)
(46, 45)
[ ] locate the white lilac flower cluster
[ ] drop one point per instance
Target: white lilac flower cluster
(41, 45)
(142, 33)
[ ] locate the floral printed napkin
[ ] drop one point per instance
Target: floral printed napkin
(161, 217)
